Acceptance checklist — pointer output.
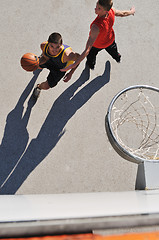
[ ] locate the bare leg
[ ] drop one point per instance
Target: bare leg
(39, 87)
(44, 85)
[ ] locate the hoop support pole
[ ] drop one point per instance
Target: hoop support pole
(147, 176)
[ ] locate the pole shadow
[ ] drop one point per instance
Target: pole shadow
(26, 159)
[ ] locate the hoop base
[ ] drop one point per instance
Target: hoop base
(147, 176)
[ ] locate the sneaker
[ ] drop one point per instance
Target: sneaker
(118, 59)
(36, 92)
(90, 65)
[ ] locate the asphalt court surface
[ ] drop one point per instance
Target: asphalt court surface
(59, 145)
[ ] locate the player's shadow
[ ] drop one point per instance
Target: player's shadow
(16, 136)
(53, 128)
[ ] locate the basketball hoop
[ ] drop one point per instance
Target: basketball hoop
(132, 123)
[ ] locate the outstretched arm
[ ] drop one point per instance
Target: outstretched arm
(70, 56)
(124, 13)
(92, 37)
(68, 76)
(42, 57)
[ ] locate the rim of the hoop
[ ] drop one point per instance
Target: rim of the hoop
(119, 149)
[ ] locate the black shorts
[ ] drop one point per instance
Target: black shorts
(112, 50)
(55, 74)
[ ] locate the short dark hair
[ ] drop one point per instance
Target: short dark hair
(55, 38)
(106, 4)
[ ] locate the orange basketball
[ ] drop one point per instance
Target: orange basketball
(29, 62)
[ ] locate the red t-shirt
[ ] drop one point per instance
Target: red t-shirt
(106, 35)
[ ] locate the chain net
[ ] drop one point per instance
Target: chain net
(135, 122)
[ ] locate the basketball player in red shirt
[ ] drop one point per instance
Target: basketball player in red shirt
(101, 34)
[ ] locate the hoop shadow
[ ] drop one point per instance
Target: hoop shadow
(26, 158)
